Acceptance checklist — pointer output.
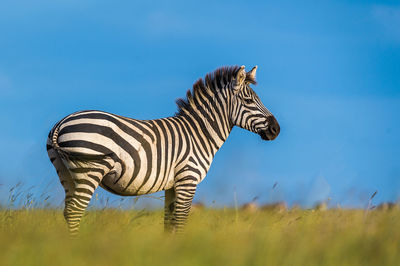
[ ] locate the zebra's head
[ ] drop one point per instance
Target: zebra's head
(248, 111)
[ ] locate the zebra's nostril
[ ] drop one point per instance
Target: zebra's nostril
(274, 129)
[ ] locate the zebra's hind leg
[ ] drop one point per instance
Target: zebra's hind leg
(85, 177)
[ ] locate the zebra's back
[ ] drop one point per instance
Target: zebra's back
(144, 154)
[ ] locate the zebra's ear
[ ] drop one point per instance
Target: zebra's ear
(251, 75)
(240, 76)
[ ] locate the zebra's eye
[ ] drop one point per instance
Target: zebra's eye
(248, 100)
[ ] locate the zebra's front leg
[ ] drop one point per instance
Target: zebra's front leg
(184, 194)
(169, 207)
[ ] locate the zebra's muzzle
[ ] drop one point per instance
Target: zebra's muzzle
(271, 131)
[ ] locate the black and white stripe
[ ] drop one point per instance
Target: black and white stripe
(134, 157)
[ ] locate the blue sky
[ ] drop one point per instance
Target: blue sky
(329, 71)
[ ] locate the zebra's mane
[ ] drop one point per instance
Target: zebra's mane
(213, 80)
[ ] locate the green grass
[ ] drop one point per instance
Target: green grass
(212, 237)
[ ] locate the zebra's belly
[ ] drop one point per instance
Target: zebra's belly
(138, 185)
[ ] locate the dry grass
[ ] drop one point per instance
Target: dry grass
(212, 237)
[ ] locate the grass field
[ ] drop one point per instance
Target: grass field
(212, 237)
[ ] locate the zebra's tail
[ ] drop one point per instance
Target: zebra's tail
(65, 153)
(53, 148)
(54, 138)
(54, 151)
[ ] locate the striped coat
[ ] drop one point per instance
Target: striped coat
(134, 157)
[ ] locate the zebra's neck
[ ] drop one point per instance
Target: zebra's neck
(209, 124)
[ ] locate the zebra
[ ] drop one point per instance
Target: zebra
(131, 157)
